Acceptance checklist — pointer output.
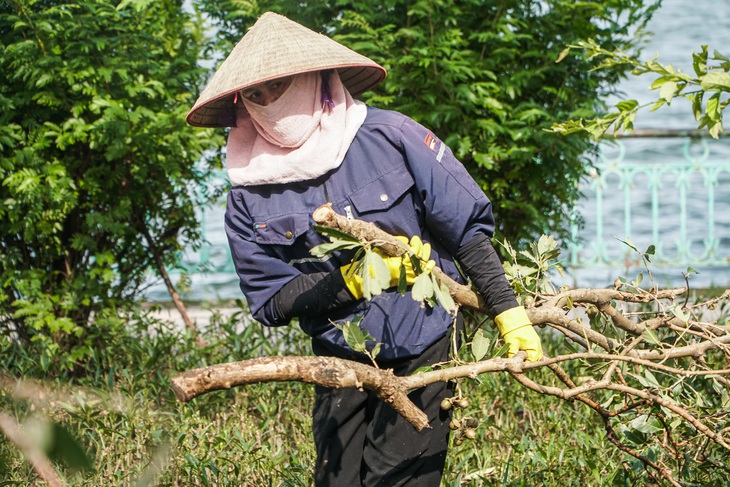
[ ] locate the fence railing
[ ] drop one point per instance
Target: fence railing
(671, 197)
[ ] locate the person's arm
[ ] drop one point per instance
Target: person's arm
(459, 214)
(310, 295)
(480, 262)
(318, 293)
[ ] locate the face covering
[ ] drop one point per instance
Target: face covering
(295, 138)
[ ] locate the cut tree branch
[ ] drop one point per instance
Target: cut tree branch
(651, 339)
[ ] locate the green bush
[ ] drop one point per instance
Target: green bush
(99, 173)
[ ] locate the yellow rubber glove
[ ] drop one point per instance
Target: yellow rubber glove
(419, 249)
(353, 279)
(516, 329)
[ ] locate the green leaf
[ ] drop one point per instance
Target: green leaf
(480, 345)
(354, 336)
(715, 130)
(651, 380)
(697, 105)
(651, 336)
(442, 294)
(699, 61)
(678, 312)
(646, 424)
(376, 349)
(501, 351)
(627, 105)
(546, 244)
(668, 90)
(658, 104)
(375, 274)
(422, 288)
(334, 232)
(327, 248)
(402, 281)
(568, 344)
(66, 449)
(563, 54)
(716, 81)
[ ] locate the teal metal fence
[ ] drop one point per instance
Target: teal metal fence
(666, 189)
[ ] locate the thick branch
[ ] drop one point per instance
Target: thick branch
(550, 315)
(605, 296)
(368, 232)
(323, 371)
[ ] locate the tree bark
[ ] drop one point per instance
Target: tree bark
(332, 372)
(323, 371)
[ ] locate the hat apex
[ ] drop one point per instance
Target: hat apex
(274, 47)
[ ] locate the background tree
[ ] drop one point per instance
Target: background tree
(99, 170)
(481, 74)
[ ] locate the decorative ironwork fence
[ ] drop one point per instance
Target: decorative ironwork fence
(670, 197)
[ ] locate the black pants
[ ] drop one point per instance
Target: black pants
(361, 441)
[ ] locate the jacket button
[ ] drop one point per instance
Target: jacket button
(383, 197)
(288, 235)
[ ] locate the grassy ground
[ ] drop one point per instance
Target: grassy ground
(122, 412)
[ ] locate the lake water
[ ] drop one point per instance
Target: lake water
(679, 29)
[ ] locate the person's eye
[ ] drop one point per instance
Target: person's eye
(251, 95)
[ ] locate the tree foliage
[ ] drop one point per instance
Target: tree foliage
(482, 75)
(97, 165)
(706, 89)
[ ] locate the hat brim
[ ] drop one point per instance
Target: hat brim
(273, 48)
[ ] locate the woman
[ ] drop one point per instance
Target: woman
(299, 140)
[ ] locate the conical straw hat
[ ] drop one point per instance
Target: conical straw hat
(274, 47)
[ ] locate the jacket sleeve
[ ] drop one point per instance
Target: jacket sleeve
(456, 209)
(458, 213)
(481, 263)
(277, 292)
(310, 295)
(262, 274)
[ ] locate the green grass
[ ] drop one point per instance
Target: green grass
(124, 414)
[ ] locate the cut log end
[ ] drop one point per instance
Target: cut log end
(323, 213)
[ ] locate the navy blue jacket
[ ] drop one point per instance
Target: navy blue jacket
(397, 175)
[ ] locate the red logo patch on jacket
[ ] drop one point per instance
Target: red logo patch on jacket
(431, 142)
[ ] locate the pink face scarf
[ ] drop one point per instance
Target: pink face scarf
(295, 138)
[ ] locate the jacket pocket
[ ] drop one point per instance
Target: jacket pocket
(280, 229)
(384, 192)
